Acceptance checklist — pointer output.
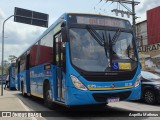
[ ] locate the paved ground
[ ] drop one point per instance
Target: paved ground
(13, 101)
(10, 102)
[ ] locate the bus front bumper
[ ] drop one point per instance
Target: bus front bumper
(80, 97)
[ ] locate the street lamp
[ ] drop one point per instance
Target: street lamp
(23, 16)
(3, 54)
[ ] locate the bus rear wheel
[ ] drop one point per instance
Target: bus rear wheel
(22, 89)
(47, 98)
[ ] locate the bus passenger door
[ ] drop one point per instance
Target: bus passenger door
(17, 79)
(12, 76)
(28, 71)
(60, 67)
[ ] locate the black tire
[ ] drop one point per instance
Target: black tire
(33, 97)
(22, 89)
(47, 100)
(149, 97)
(100, 107)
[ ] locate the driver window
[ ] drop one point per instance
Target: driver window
(122, 45)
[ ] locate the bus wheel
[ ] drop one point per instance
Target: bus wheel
(23, 93)
(33, 97)
(47, 99)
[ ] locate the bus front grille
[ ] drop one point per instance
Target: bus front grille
(102, 97)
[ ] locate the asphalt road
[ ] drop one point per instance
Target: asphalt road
(113, 111)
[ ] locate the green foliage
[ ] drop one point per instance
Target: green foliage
(6, 64)
(5, 70)
(12, 58)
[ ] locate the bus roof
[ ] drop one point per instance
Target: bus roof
(93, 14)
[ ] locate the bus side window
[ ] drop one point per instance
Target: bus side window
(57, 49)
(22, 63)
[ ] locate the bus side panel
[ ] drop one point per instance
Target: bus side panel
(28, 81)
(11, 79)
(17, 82)
(37, 77)
(24, 79)
(33, 83)
(12, 83)
(41, 78)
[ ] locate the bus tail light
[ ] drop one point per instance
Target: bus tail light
(136, 84)
(77, 83)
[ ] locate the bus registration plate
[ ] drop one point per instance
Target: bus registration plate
(115, 99)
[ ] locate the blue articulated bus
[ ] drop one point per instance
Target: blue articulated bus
(82, 59)
(12, 82)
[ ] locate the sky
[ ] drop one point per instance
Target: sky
(18, 36)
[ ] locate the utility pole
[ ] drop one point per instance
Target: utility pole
(129, 11)
(3, 54)
(133, 16)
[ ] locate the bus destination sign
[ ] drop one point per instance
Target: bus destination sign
(103, 21)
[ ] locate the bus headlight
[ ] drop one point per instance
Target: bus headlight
(77, 83)
(136, 84)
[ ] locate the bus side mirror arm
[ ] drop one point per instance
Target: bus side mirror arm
(64, 34)
(64, 31)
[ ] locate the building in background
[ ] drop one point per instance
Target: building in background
(141, 32)
(148, 40)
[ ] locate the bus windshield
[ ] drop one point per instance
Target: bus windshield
(96, 50)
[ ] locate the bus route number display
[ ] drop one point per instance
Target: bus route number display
(101, 21)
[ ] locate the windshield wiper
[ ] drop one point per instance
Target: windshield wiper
(109, 44)
(108, 48)
(95, 35)
(116, 36)
(105, 42)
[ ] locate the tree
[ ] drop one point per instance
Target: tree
(12, 58)
(6, 65)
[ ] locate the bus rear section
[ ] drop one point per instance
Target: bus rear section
(12, 74)
(82, 59)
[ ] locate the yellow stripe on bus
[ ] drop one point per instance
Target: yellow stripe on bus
(118, 88)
